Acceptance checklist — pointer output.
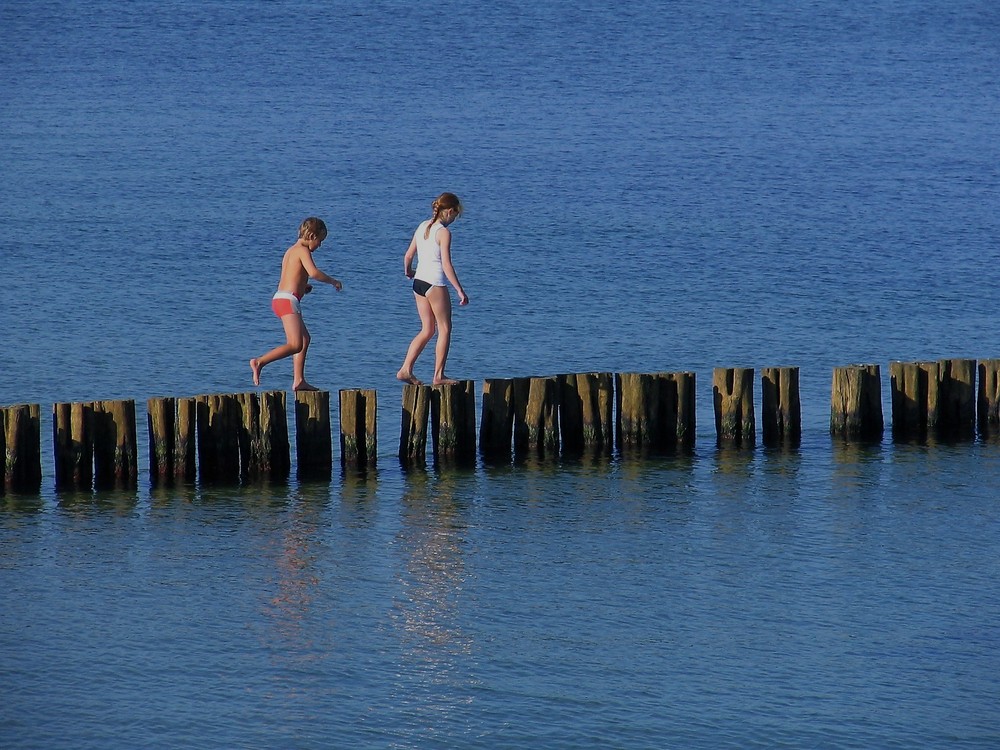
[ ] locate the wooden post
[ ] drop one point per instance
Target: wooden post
(263, 435)
(313, 435)
(74, 446)
(22, 458)
(185, 424)
(637, 396)
(161, 415)
(781, 411)
(586, 401)
(656, 411)
(116, 463)
(496, 428)
(856, 403)
(358, 428)
(274, 451)
(676, 409)
(735, 423)
(453, 421)
(988, 407)
(536, 415)
(521, 387)
(957, 398)
(219, 423)
(914, 387)
(413, 430)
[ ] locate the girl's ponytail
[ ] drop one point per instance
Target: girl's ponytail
(444, 202)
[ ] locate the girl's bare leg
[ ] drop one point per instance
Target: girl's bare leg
(440, 302)
(427, 329)
(295, 333)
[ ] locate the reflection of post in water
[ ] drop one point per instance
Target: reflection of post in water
(734, 459)
(358, 493)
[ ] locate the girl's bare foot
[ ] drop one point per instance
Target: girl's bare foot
(407, 377)
(445, 381)
(304, 386)
(255, 367)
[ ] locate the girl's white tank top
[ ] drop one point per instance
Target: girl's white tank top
(429, 267)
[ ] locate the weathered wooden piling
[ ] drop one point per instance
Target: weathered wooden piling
(956, 399)
(933, 397)
(219, 422)
(586, 401)
(677, 408)
(496, 426)
(655, 410)
(358, 428)
(637, 399)
(21, 444)
(72, 426)
(161, 423)
(913, 388)
(116, 461)
(780, 408)
(313, 436)
(536, 415)
(453, 421)
(413, 429)
(988, 402)
(856, 403)
(185, 438)
(735, 423)
(263, 435)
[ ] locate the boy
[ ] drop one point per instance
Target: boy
(297, 268)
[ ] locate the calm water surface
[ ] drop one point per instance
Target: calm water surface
(649, 186)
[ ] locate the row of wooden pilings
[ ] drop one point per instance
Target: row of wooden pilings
(239, 437)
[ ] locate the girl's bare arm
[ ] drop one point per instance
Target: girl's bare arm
(444, 241)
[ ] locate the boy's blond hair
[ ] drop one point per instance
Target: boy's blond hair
(312, 229)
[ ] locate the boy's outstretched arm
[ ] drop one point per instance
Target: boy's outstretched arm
(314, 273)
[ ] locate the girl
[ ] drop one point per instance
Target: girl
(431, 244)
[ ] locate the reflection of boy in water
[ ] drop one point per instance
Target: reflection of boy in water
(297, 267)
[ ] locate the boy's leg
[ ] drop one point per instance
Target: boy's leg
(299, 364)
(440, 302)
(427, 328)
(294, 333)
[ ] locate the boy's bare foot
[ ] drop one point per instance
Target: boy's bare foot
(408, 378)
(445, 381)
(256, 368)
(304, 386)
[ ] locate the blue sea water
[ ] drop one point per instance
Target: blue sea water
(649, 186)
